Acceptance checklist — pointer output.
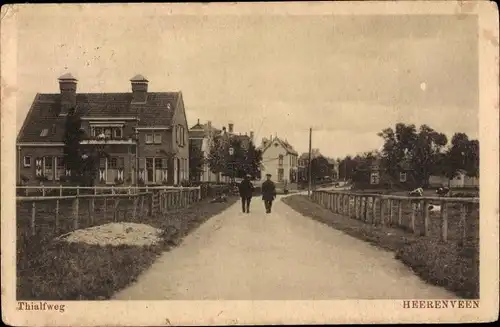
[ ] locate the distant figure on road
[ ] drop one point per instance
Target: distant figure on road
(268, 193)
(246, 191)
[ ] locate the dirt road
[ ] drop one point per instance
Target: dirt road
(279, 256)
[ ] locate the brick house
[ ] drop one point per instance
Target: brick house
(141, 128)
(202, 136)
(373, 175)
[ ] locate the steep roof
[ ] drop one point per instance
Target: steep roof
(158, 110)
(288, 147)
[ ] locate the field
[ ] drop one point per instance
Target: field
(450, 264)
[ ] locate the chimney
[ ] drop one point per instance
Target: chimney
(231, 127)
(67, 85)
(251, 136)
(139, 89)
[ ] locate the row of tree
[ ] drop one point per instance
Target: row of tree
(424, 150)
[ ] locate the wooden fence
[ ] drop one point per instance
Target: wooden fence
(409, 213)
(54, 213)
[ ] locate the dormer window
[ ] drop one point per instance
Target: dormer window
(44, 132)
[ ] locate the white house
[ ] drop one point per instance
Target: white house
(279, 159)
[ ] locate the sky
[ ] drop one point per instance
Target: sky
(347, 77)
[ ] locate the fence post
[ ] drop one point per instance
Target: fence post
(33, 214)
(425, 207)
(57, 215)
(364, 214)
(464, 211)
(150, 205)
(374, 210)
(76, 204)
(91, 210)
(136, 199)
(142, 205)
(444, 221)
(26, 191)
(348, 206)
(115, 211)
(105, 207)
(400, 213)
(382, 212)
(413, 215)
(391, 212)
(43, 190)
(112, 189)
(60, 190)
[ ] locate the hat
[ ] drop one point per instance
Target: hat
(268, 175)
(248, 175)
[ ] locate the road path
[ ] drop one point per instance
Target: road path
(280, 256)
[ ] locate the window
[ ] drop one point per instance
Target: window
(374, 177)
(107, 133)
(97, 131)
(44, 132)
(158, 163)
(280, 159)
(280, 174)
(60, 170)
(47, 167)
(157, 138)
(27, 161)
(402, 177)
(113, 163)
(117, 133)
(149, 138)
(180, 135)
(48, 162)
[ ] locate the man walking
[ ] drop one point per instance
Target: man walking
(246, 190)
(268, 193)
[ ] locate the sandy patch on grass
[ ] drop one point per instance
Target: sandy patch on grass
(115, 234)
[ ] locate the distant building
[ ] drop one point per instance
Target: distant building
(202, 136)
(459, 181)
(303, 164)
(144, 134)
(279, 159)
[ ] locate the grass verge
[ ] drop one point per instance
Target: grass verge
(48, 270)
(448, 265)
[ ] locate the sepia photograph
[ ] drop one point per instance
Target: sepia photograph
(249, 163)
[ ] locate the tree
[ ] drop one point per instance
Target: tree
(319, 168)
(420, 149)
(71, 152)
(243, 160)
(83, 162)
(346, 168)
(196, 162)
(463, 154)
(425, 152)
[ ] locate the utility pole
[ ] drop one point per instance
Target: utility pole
(309, 164)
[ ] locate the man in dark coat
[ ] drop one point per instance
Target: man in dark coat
(246, 190)
(268, 193)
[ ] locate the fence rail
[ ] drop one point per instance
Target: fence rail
(45, 190)
(409, 213)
